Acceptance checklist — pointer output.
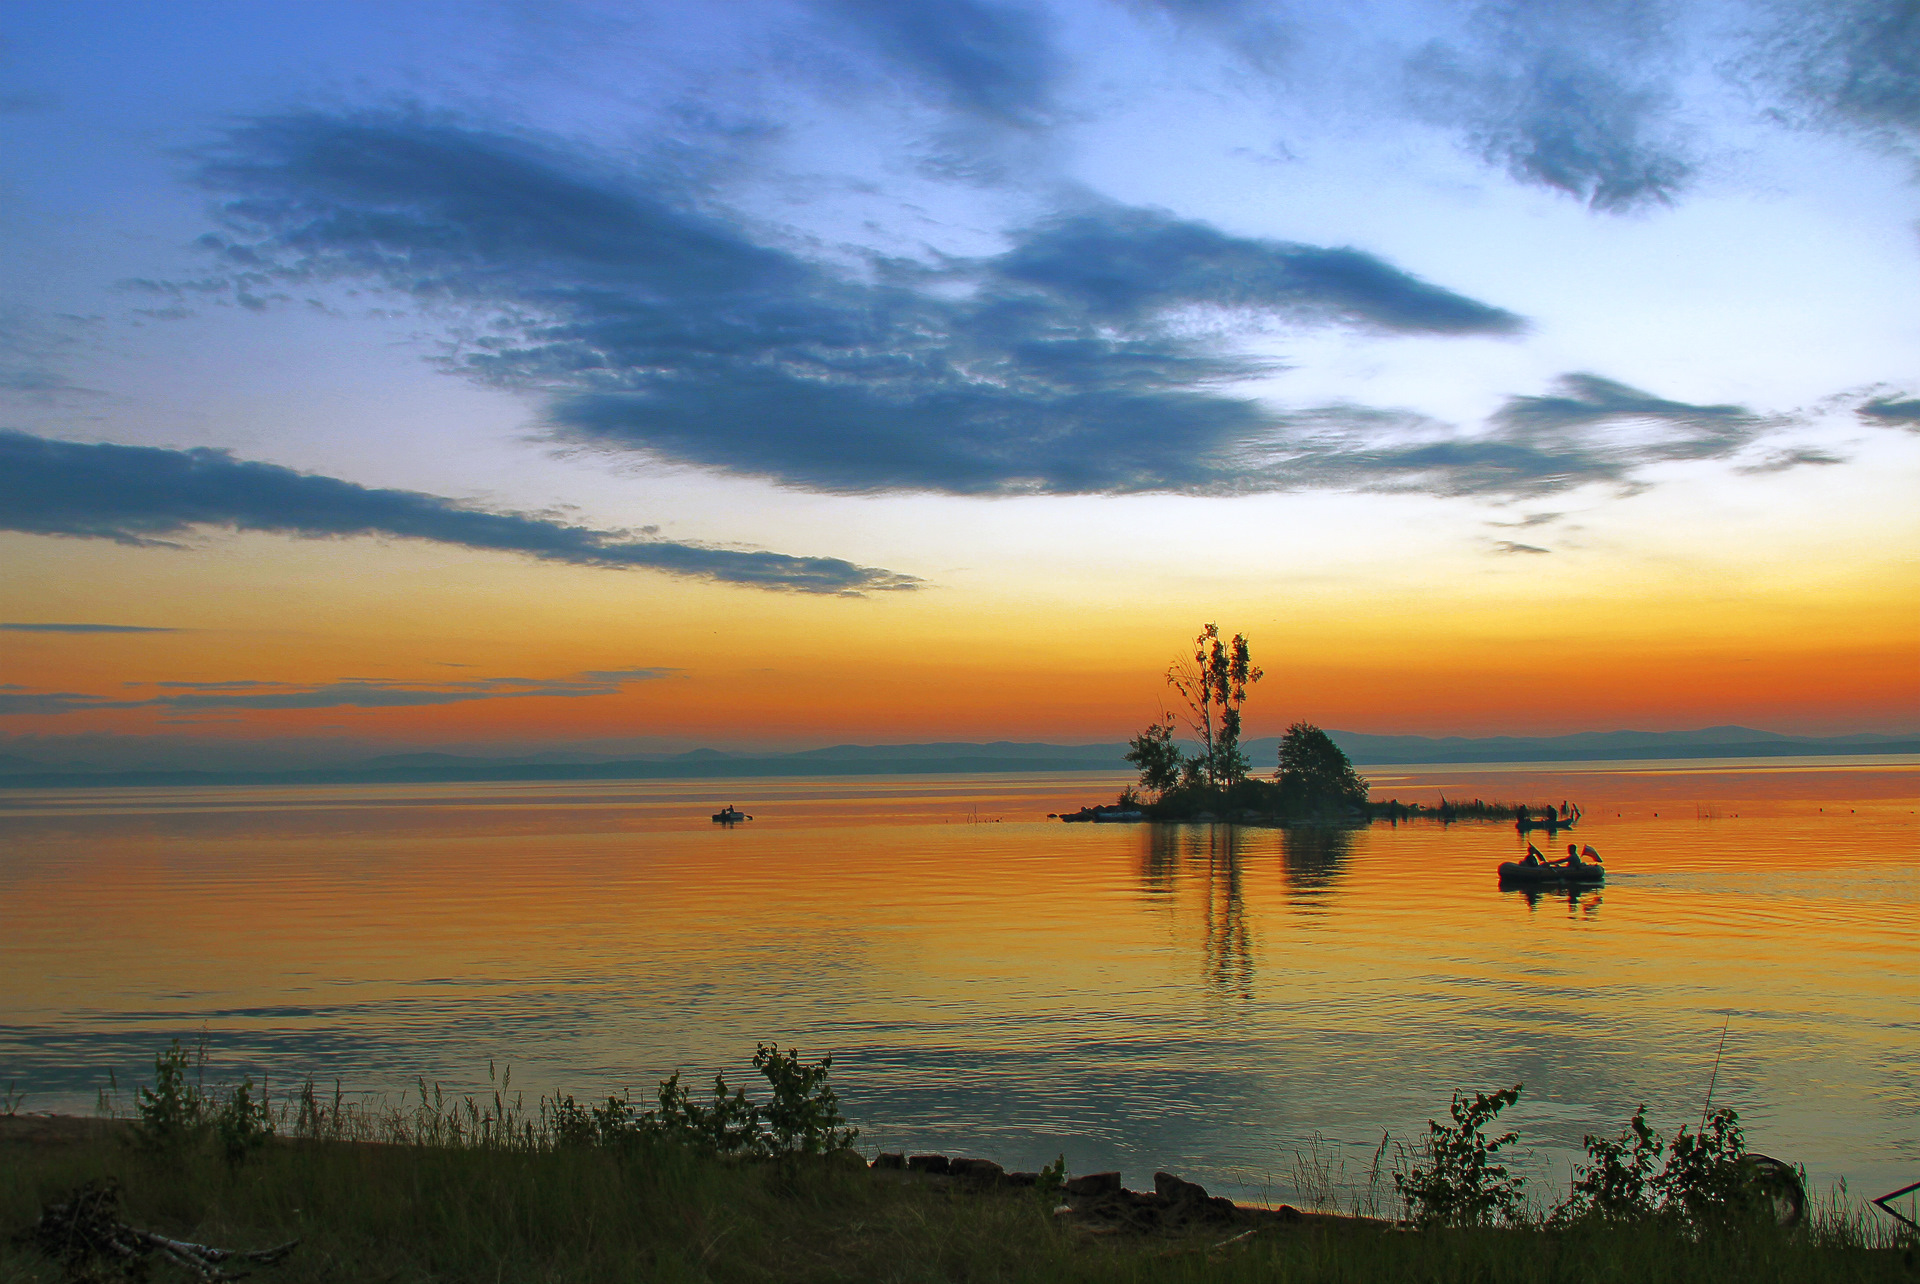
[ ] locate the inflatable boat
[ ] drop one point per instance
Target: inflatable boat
(1513, 871)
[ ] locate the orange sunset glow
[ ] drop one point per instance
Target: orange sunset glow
(959, 639)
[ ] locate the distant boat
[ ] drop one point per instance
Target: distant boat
(730, 815)
(1512, 872)
(1105, 814)
(1548, 822)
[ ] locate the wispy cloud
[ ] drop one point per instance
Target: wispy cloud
(141, 495)
(1782, 460)
(1885, 410)
(1588, 429)
(18, 627)
(347, 693)
(655, 326)
(1848, 63)
(1509, 546)
(1565, 94)
(992, 60)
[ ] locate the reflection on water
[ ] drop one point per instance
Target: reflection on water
(1315, 858)
(1209, 856)
(1583, 902)
(1203, 998)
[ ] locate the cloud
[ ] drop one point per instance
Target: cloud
(1565, 94)
(1885, 410)
(1853, 63)
(138, 495)
(348, 693)
(654, 325)
(994, 61)
(1508, 546)
(1577, 96)
(33, 352)
(1782, 460)
(1588, 429)
(1121, 264)
(82, 628)
(1586, 400)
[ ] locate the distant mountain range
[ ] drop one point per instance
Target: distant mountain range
(17, 772)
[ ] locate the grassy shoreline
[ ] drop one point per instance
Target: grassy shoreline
(477, 1210)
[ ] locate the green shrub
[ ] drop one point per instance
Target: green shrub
(1617, 1184)
(1705, 1183)
(803, 1115)
(173, 1111)
(1462, 1185)
(800, 1117)
(241, 1123)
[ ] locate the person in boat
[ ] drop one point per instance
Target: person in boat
(1573, 856)
(1534, 856)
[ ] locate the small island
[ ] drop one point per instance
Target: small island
(1314, 784)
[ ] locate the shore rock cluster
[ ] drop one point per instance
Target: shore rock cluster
(1099, 1200)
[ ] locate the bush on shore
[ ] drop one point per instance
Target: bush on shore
(475, 1188)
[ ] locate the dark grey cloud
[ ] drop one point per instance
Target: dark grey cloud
(1582, 400)
(141, 495)
(1588, 429)
(1578, 96)
(1264, 34)
(1124, 263)
(81, 628)
(1566, 94)
(1886, 410)
(996, 61)
(1853, 63)
(656, 326)
(189, 698)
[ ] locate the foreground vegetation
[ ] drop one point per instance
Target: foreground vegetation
(480, 1189)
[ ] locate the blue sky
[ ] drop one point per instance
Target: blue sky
(989, 303)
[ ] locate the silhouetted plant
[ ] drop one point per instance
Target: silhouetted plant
(173, 1111)
(1617, 1183)
(242, 1123)
(730, 1126)
(1157, 757)
(1213, 685)
(1705, 1183)
(803, 1115)
(1052, 1180)
(1462, 1184)
(1314, 772)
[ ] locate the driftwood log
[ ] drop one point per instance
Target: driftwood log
(85, 1235)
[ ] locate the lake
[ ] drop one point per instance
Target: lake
(1209, 999)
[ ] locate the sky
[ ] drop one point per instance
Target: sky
(759, 375)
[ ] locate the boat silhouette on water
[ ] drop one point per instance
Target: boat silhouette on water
(730, 815)
(1514, 873)
(1549, 821)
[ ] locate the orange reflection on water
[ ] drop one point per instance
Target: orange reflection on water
(1132, 995)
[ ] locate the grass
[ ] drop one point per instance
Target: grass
(479, 1188)
(427, 1195)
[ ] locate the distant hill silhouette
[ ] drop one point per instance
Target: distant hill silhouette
(997, 757)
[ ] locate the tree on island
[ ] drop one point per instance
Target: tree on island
(1315, 773)
(1157, 757)
(1213, 685)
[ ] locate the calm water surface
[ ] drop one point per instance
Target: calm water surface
(1202, 998)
